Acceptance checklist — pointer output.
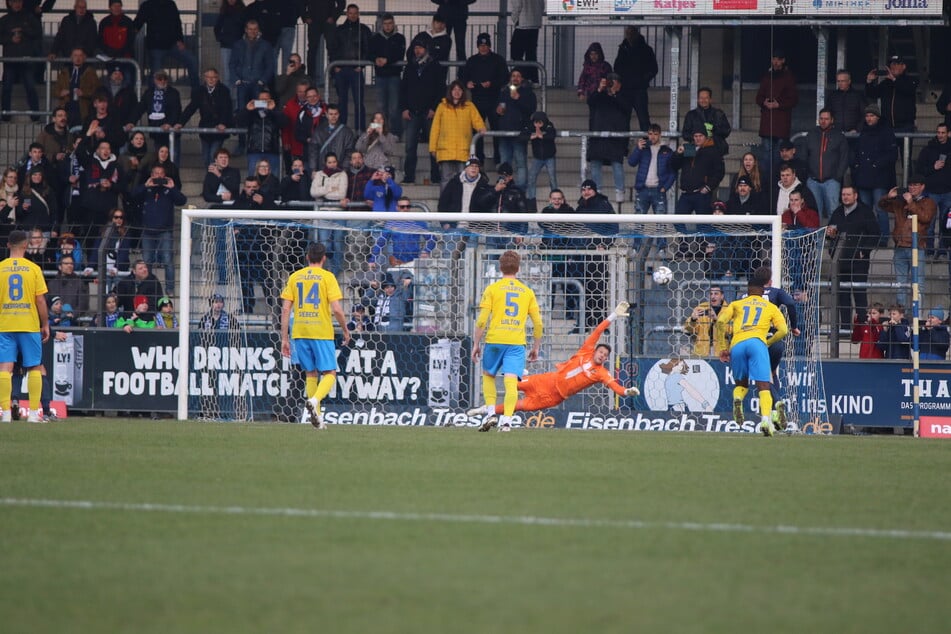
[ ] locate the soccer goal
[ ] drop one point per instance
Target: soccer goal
(411, 285)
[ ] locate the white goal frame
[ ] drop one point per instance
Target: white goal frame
(773, 222)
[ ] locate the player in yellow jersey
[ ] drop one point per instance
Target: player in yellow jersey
(504, 311)
(24, 324)
(752, 318)
(313, 294)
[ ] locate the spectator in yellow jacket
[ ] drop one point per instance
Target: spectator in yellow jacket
(451, 132)
(708, 341)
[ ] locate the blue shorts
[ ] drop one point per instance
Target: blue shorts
(503, 358)
(749, 359)
(316, 355)
(28, 344)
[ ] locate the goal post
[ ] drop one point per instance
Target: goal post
(579, 265)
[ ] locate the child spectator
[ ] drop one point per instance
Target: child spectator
(61, 315)
(934, 339)
(166, 317)
(540, 132)
(894, 340)
(360, 322)
(111, 313)
(217, 318)
(138, 318)
(867, 334)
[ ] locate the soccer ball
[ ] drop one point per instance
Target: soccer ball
(662, 275)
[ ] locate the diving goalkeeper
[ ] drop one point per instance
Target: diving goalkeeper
(582, 370)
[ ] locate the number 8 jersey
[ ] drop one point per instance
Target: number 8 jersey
(310, 291)
(20, 282)
(504, 307)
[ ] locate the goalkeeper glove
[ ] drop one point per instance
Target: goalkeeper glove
(632, 391)
(621, 310)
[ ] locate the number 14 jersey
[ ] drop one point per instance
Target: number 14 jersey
(310, 291)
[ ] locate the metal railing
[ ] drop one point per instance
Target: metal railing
(50, 79)
(542, 84)
(584, 135)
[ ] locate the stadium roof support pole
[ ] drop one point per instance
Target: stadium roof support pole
(822, 62)
(675, 33)
(737, 77)
(694, 70)
(840, 47)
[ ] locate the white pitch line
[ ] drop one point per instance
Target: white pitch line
(520, 520)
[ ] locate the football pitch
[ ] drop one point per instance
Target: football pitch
(136, 526)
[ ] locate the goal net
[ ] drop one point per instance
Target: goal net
(411, 288)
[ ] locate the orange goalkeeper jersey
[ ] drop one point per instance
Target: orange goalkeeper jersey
(580, 372)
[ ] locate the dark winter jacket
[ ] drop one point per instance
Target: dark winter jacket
(264, 12)
(352, 41)
(543, 148)
(610, 113)
(479, 68)
(298, 190)
(597, 204)
(158, 206)
(858, 232)
(781, 86)
(848, 109)
(942, 106)
(357, 183)
(264, 129)
(96, 199)
(55, 142)
(252, 62)
(451, 197)
(517, 111)
(936, 181)
(421, 87)
(827, 153)
(712, 122)
(705, 169)
(895, 339)
(454, 9)
(128, 288)
(391, 48)
(756, 204)
(229, 28)
(635, 63)
(163, 21)
(213, 108)
(509, 200)
(171, 107)
(319, 11)
(117, 36)
(898, 99)
(230, 179)
(933, 341)
(641, 159)
(76, 32)
(875, 155)
(29, 27)
(324, 140)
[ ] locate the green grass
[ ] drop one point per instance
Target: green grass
(111, 570)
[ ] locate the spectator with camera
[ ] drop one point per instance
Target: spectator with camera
(159, 196)
(222, 182)
(295, 187)
(264, 122)
(517, 102)
(897, 91)
(708, 340)
(903, 204)
(895, 339)
(377, 143)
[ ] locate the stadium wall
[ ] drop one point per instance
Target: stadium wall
(104, 370)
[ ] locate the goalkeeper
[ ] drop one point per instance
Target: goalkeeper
(582, 370)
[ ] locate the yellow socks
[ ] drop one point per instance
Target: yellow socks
(489, 394)
(323, 387)
(765, 403)
(511, 394)
(34, 385)
(6, 387)
(739, 393)
(311, 386)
